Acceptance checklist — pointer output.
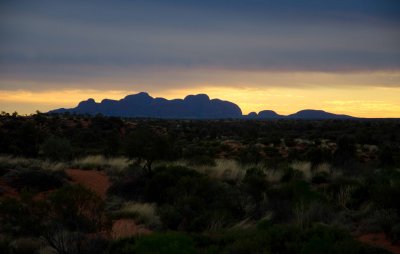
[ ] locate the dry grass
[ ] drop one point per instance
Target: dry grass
(273, 176)
(89, 162)
(323, 168)
(143, 212)
(15, 162)
(100, 162)
(308, 171)
(54, 166)
(244, 224)
(304, 167)
(224, 169)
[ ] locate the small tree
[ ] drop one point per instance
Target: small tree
(255, 186)
(145, 144)
(112, 144)
(345, 154)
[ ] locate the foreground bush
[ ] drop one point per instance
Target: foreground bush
(35, 179)
(64, 219)
(57, 149)
(264, 239)
(192, 201)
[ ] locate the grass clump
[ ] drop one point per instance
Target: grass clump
(9, 162)
(143, 212)
(101, 162)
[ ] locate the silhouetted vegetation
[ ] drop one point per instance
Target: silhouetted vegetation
(209, 186)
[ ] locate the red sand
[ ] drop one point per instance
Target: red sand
(97, 181)
(7, 190)
(379, 240)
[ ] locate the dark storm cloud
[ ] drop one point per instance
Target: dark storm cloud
(48, 38)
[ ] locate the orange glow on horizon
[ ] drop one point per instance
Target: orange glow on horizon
(369, 102)
(363, 94)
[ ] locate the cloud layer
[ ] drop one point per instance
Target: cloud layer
(286, 55)
(56, 40)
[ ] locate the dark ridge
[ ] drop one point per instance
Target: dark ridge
(143, 105)
(198, 106)
(316, 114)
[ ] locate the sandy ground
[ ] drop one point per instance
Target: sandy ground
(95, 180)
(99, 182)
(379, 240)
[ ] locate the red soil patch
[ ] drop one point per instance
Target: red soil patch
(379, 240)
(126, 228)
(97, 181)
(7, 191)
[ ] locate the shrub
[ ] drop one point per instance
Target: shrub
(386, 221)
(36, 180)
(255, 186)
(130, 185)
(290, 174)
(192, 200)
(143, 212)
(386, 192)
(248, 242)
(78, 209)
(395, 233)
(304, 167)
(67, 242)
(57, 149)
(22, 217)
(121, 246)
(167, 243)
(147, 144)
(320, 178)
(26, 245)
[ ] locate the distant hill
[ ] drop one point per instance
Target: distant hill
(269, 114)
(143, 105)
(264, 114)
(316, 114)
(192, 107)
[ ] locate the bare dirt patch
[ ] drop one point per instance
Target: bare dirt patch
(379, 240)
(6, 190)
(95, 180)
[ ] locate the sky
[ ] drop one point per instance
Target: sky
(341, 56)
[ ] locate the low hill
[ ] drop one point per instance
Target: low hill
(198, 106)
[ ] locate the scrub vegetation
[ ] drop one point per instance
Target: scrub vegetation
(198, 186)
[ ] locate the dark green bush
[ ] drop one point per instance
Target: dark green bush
(131, 185)
(167, 243)
(191, 201)
(22, 217)
(157, 243)
(320, 178)
(57, 149)
(78, 209)
(35, 179)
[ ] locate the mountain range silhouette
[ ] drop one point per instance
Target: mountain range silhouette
(198, 106)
